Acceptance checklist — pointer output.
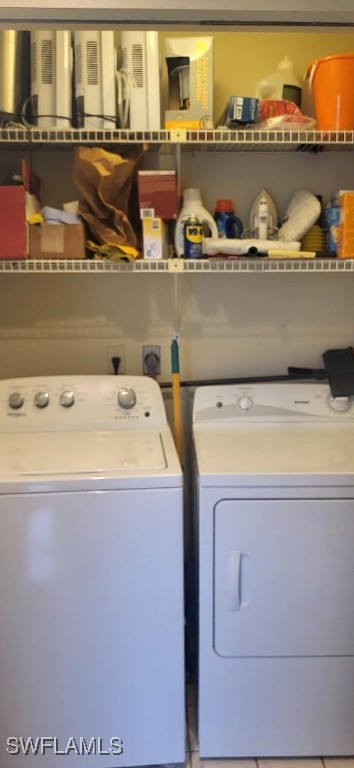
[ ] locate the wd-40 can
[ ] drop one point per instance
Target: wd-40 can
(193, 239)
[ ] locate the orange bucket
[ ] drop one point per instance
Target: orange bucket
(332, 87)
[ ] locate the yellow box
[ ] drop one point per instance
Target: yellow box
(190, 83)
(154, 239)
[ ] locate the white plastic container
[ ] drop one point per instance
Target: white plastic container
(192, 206)
(282, 84)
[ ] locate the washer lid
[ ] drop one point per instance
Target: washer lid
(94, 453)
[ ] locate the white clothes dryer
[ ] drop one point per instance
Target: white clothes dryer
(275, 483)
(91, 582)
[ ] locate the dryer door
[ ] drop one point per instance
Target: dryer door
(283, 577)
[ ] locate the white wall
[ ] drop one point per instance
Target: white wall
(230, 325)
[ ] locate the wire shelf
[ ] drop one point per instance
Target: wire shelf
(221, 140)
(265, 265)
(173, 266)
(76, 266)
(210, 140)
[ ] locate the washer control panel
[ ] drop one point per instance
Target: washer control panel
(80, 403)
(309, 401)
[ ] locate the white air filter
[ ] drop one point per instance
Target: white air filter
(153, 75)
(51, 72)
(95, 89)
(140, 64)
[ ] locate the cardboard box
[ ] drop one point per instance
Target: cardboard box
(154, 239)
(345, 242)
(13, 227)
(57, 241)
(345, 248)
(190, 83)
(157, 191)
(18, 201)
(346, 201)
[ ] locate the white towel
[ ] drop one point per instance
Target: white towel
(302, 212)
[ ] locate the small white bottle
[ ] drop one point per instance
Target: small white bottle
(192, 206)
(282, 84)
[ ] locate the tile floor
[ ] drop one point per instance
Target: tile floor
(194, 761)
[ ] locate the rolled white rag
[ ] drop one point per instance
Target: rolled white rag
(302, 212)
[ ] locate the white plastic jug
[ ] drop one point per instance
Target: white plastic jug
(192, 206)
(282, 84)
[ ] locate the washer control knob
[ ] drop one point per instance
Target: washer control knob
(126, 398)
(245, 402)
(41, 399)
(339, 403)
(67, 398)
(16, 401)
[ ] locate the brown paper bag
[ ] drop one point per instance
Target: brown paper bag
(105, 181)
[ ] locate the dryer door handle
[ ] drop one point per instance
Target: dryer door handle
(234, 563)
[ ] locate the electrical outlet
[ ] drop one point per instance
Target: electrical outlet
(151, 360)
(115, 350)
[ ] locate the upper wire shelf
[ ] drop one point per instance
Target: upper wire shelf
(212, 140)
(174, 266)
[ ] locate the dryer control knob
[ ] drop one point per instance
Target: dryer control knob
(339, 403)
(245, 403)
(16, 401)
(126, 398)
(67, 398)
(41, 399)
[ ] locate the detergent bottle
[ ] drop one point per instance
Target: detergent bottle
(282, 84)
(193, 208)
(228, 224)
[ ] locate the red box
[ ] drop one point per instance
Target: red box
(157, 192)
(13, 227)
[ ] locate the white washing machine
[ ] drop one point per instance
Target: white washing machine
(91, 575)
(275, 483)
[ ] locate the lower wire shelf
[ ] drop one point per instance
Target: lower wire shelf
(174, 266)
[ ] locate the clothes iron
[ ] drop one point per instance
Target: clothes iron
(263, 218)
